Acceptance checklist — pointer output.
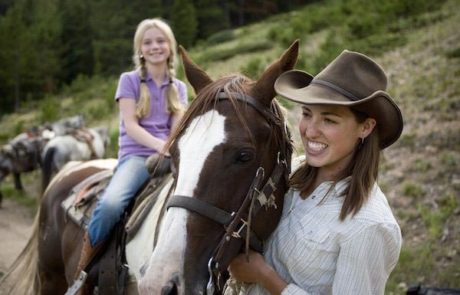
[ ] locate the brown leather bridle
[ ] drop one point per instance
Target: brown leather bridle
(237, 225)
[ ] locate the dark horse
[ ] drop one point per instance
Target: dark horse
(231, 160)
(20, 155)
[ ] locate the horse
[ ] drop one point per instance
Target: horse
(20, 155)
(78, 145)
(63, 126)
(230, 162)
(23, 153)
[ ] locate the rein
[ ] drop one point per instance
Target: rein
(237, 225)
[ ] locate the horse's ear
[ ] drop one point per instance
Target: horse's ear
(264, 88)
(195, 75)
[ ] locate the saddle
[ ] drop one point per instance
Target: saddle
(85, 136)
(112, 271)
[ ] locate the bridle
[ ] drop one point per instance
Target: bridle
(237, 225)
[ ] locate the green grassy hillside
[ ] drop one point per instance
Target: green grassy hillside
(416, 42)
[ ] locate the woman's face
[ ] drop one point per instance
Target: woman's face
(155, 47)
(330, 134)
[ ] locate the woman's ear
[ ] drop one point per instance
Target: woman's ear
(367, 126)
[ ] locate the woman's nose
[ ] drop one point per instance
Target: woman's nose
(312, 129)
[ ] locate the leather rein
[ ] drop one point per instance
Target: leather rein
(237, 225)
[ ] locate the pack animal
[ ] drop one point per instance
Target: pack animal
(20, 155)
(80, 145)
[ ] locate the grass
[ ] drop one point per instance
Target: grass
(31, 193)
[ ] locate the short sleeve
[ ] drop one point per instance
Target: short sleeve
(127, 87)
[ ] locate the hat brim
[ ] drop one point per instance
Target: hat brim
(296, 86)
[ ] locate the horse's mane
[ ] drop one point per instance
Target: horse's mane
(237, 83)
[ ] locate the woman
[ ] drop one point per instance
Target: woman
(151, 102)
(337, 234)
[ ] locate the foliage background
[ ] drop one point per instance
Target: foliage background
(47, 44)
(416, 41)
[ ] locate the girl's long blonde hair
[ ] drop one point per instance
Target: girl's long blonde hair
(143, 105)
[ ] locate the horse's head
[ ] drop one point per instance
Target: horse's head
(230, 155)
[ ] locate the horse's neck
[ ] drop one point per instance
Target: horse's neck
(140, 248)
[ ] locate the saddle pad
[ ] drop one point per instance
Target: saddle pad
(144, 203)
(80, 202)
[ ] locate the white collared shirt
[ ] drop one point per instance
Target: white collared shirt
(316, 253)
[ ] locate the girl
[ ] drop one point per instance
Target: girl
(151, 102)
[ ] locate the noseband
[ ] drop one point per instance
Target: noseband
(237, 225)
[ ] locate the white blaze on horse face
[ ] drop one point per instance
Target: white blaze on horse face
(199, 140)
(201, 137)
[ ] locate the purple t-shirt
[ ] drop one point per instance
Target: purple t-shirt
(158, 123)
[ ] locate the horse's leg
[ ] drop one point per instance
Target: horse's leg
(17, 181)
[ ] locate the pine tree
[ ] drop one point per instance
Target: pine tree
(184, 22)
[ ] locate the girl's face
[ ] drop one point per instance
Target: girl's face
(330, 135)
(155, 47)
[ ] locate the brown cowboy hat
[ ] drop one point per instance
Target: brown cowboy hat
(353, 80)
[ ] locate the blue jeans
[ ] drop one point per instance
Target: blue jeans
(130, 174)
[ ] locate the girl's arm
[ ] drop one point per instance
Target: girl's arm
(135, 131)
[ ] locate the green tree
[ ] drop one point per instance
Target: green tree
(28, 39)
(212, 16)
(76, 39)
(114, 26)
(184, 22)
(12, 52)
(46, 30)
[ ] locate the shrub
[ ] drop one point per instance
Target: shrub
(219, 54)
(411, 189)
(253, 68)
(50, 109)
(220, 37)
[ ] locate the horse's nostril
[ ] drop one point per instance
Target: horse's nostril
(169, 289)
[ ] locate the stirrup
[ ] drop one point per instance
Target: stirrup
(77, 284)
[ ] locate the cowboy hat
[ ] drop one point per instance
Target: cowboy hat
(353, 80)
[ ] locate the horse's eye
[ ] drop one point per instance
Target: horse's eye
(244, 156)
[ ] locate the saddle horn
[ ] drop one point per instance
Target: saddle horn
(195, 75)
(264, 87)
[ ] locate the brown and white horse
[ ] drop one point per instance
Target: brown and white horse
(230, 157)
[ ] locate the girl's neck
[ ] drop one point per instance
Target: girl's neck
(157, 72)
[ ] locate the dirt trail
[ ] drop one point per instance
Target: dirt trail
(15, 228)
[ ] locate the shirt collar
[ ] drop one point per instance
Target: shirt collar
(337, 190)
(165, 79)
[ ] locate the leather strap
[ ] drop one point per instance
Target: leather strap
(262, 109)
(202, 208)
